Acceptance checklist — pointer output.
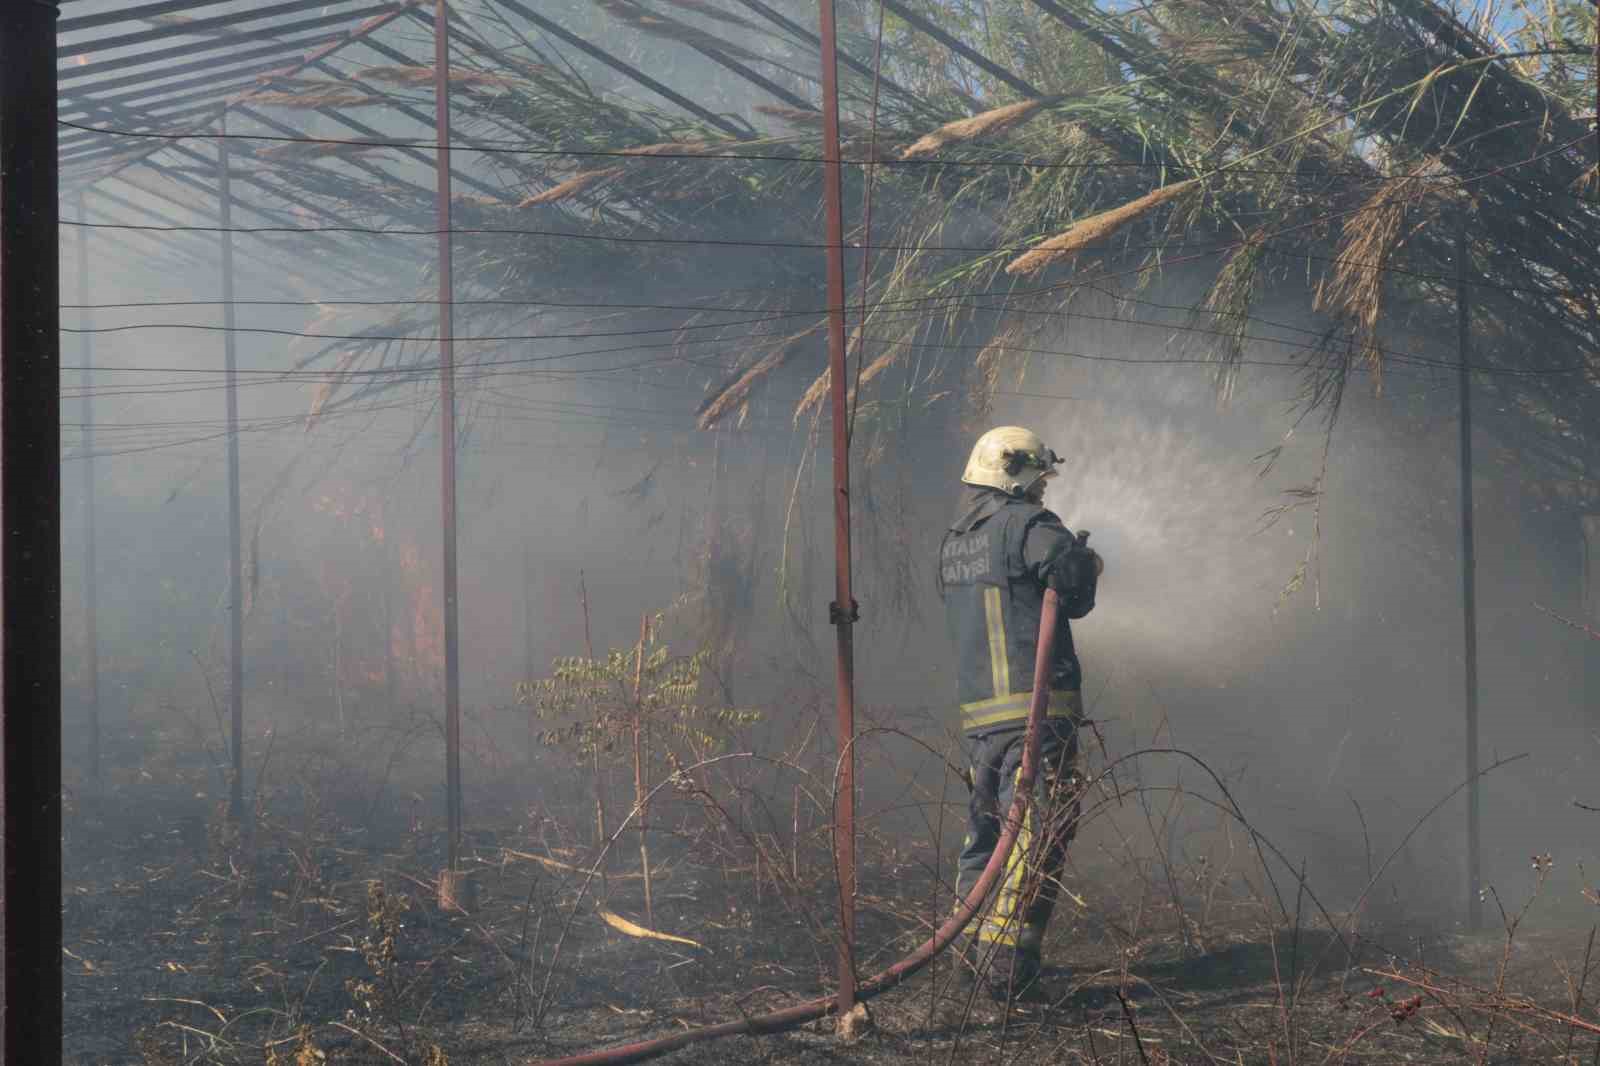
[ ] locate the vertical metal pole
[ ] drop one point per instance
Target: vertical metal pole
(30, 510)
(235, 550)
(1469, 593)
(447, 433)
(91, 607)
(843, 610)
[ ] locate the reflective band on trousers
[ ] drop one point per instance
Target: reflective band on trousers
(999, 926)
(1064, 703)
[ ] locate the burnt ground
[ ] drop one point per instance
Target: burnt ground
(310, 937)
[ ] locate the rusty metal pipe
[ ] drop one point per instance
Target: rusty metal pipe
(843, 611)
(447, 435)
(230, 356)
(811, 1010)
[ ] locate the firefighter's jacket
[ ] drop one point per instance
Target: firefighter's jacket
(992, 581)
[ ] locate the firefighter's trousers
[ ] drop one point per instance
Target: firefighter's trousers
(1028, 890)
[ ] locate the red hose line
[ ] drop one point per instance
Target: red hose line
(811, 1010)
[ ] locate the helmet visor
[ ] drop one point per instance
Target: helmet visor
(1045, 461)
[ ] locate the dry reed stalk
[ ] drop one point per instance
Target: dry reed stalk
(672, 148)
(737, 391)
(671, 29)
(1095, 228)
(324, 392)
(297, 152)
(988, 123)
(701, 7)
(988, 362)
(571, 187)
(423, 75)
(809, 119)
(1369, 238)
(328, 94)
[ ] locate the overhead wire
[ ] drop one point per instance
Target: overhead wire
(1258, 240)
(509, 148)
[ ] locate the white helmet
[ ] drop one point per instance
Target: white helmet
(1011, 459)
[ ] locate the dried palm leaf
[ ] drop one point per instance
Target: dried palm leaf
(1094, 229)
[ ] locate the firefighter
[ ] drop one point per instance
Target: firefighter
(995, 562)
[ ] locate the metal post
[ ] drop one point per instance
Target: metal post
(447, 434)
(91, 607)
(843, 609)
(1469, 595)
(30, 507)
(235, 551)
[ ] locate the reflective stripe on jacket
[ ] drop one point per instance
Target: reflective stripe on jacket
(992, 598)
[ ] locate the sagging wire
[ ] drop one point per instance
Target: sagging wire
(921, 161)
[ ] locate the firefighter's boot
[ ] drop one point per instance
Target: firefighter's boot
(1029, 961)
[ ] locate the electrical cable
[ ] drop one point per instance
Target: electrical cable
(423, 369)
(796, 245)
(508, 148)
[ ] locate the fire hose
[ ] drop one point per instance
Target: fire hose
(791, 1017)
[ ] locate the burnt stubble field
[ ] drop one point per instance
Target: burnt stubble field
(314, 932)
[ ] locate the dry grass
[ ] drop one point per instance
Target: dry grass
(1094, 229)
(571, 187)
(987, 124)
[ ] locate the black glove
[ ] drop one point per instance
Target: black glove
(1074, 572)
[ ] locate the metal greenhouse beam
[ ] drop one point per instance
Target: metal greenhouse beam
(382, 15)
(976, 58)
(30, 557)
(554, 29)
(228, 24)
